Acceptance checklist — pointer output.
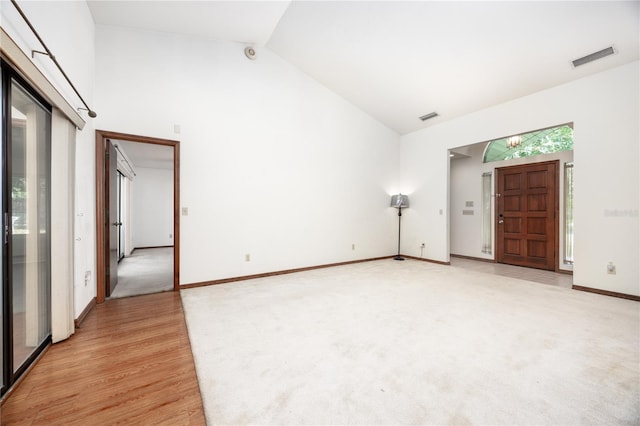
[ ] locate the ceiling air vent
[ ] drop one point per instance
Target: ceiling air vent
(593, 56)
(428, 116)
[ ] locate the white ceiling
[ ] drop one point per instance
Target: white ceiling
(146, 154)
(399, 60)
(241, 21)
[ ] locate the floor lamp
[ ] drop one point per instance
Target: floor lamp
(399, 202)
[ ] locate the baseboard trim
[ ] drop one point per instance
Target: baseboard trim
(271, 274)
(479, 259)
(606, 292)
(439, 262)
(83, 315)
(149, 247)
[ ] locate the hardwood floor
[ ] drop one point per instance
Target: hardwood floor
(129, 363)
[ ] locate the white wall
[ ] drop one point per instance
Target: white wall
(152, 208)
(273, 164)
(605, 111)
(68, 30)
(277, 166)
(465, 185)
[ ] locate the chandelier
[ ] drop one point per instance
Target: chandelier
(514, 141)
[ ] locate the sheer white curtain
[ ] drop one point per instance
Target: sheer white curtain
(64, 122)
(63, 141)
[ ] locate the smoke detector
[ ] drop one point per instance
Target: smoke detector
(250, 52)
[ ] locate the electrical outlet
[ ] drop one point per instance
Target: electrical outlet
(353, 246)
(611, 268)
(247, 257)
(185, 211)
(87, 277)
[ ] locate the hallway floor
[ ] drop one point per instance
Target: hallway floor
(145, 271)
(519, 272)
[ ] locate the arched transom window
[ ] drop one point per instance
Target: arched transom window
(546, 141)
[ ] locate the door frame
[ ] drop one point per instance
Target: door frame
(102, 237)
(556, 211)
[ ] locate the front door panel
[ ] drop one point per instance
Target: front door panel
(526, 220)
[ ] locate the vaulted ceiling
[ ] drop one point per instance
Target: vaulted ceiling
(400, 60)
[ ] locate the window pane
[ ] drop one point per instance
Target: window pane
(546, 141)
(486, 213)
(29, 223)
(2, 245)
(568, 213)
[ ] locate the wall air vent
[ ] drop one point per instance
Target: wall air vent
(428, 116)
(593, 56)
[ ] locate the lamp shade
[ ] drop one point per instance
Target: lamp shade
(399, 201)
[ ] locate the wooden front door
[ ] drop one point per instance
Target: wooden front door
(526, 205)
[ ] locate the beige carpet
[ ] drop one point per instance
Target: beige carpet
(410, 342)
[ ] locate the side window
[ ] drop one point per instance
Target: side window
(487, 229)
(568, 213)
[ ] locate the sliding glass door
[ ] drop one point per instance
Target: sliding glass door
(26, 244)
(122, 206)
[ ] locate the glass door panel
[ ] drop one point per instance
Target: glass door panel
(2, 284)
(122, 194)
(29, 222)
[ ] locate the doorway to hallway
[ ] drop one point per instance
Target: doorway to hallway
(111, 235)
(522, 217)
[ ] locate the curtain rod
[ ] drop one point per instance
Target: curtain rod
(124, 157)
(48, 53)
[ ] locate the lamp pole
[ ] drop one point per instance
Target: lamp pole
(398, 257)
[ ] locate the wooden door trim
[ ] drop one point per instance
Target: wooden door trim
(101, 198)
(556, 208)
